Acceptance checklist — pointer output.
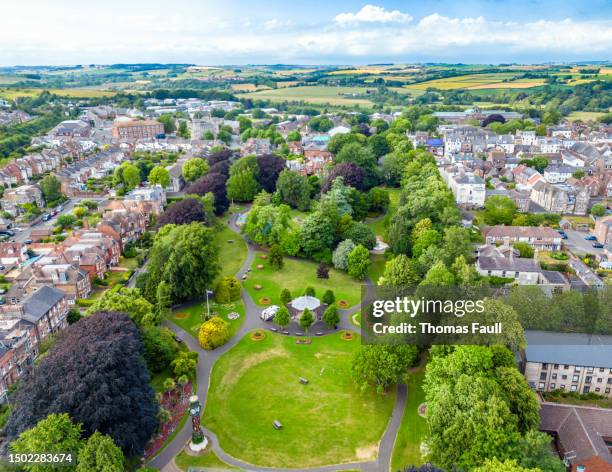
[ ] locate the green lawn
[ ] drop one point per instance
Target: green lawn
(296, 275)
(231, 255)
(192, 322)
(208, 460)
(413, 429)
(128, 263)
(325, 422)
(378, 226)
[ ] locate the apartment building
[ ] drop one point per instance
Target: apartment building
(540, 237)
(137, 129)
(573, 362)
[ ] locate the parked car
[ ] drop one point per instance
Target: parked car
(2, 267)
(269, 313)
(46, 217)
(28, 241)
(598, 245)
(590, 237)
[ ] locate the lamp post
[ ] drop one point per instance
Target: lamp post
(208, 292)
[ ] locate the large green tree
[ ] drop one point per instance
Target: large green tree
(51, 188)
(160, 175)
(130, 301)
(382, 365)
(499, 210)
(194, 168)
(100, 454)
(293, 189)
(268, 224)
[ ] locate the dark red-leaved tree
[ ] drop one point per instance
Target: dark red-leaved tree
(215, 183)
(182, 212)
(494, 118)
(219, 157)
(270, 166)
(97, 375)
(353, 175)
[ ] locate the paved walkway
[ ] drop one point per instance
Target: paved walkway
(164, 460)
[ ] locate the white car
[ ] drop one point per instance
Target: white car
(269, 313)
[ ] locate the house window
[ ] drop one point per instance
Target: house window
(564, 377)
(598, 389)
(556, 366)
(562, 387)
(610, 381)
(599, 381)
(601, 369)
(573, 388)
(541, 386)
(552, 386)
(590, 370)
(566, 366)
(575, 378)
(543, 376)
(586, 389)
(577, 369)
(544, 366)
(588, 379)
(554, 376)
(607, 390)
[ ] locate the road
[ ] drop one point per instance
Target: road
(206, 360)
(24, 234)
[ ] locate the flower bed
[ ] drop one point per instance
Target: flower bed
(176, 402)
(347, 335)
(181, 315)
(258, 335)
(265, 300)
(343, 304)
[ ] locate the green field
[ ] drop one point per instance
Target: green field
(296, 275)
(413, 429)
(317, 95)
(584, 115)
(478, 81)
(12, 93)
(328, 421)
(193, 319)
(231, 255)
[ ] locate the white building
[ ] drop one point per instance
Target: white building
(468, 189)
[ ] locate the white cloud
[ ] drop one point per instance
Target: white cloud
(373, 14)
(276, 24)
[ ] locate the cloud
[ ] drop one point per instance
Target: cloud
(373, 14)
(276, 24)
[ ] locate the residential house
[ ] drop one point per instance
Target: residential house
(13, 254)
(468, 189)
(560, 198)
(72, 129)
(540, 237)
(13, 199)
(558, 174)
(137, 129)
(603, 230)
(18, 350)
(504, 261)
(526, 176)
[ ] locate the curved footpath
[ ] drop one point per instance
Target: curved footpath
(206, 360)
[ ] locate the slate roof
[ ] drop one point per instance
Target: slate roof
(40, 302)
(569, 348)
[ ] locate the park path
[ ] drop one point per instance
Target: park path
(206, 360)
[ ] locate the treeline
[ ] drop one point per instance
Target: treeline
(14, 139)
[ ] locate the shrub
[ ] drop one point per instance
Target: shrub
(328, 297)
(285, 296)
(228, 290)
(310, 291)
(213, 333)
(323, 271)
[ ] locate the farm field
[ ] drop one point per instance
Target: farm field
(12, 93)
(477, 81)
(584, 115)
(248, 87)
(317, 95)
(327, 421)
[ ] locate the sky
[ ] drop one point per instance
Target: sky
(224, 32)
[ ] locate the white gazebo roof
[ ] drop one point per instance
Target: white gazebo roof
(301, 303)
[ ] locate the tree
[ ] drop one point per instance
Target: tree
(213, 333)
(439, 276)
(276, 257)
(351, 174)
(499, 210)
(379, 199)
(358, 154)
(427, 238)
(74, 315)
(539, 163)
(129, 301)
(495, 465)
(94, 374)
(578, 174)
(310, 291)
(392, 167)
(341, 253)
(100, 454)
(160, 347)
(317, 235)
(321, 124)
(306, 319)
(228, 290)
(378, 145)
(214, 183)
(382, 365)
(282, 318)
(54, 434)
(183, 212)
(126, 175)
(360, 233)
(185, 363)
(493, 118)
(598, 210)
(242, 186)
(331, 317)
(65, 221)
(400, 271)
(184, 256)
(322, 271)
(285, 296)
(194, 168)
(270, 166)
(51, 188)
(168, 122)
(293, 189)
(160, 175)
(328, 297)
(183, 130)
(535, 451)
(358, 262)
(294, 136)
(525, 250)
(268, 224)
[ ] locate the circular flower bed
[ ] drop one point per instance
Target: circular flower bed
(233, 316)
(181, 316)
(257, 287)
(347, 336)
(263, 256)
(258, 335)
(343, 304)
(265, 300)
(260, 266)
